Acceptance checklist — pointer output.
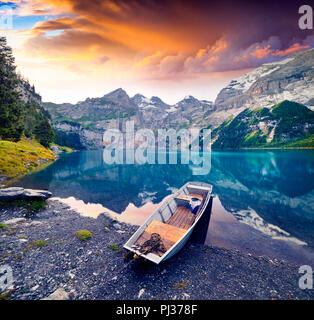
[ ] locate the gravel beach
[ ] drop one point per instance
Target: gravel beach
(49, 260)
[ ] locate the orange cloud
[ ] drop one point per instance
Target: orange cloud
(293, 48)
(261, 53)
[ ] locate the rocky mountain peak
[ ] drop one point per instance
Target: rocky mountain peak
(289, 78)
(189, 99)
(116, 95)
(157, 101)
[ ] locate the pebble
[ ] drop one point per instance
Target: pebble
(141, 292)
(117, 226)
(72, 294)
(35, 223)
(34, 288)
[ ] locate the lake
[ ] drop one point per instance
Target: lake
(263, 199)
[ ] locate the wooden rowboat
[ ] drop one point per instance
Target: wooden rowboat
(169, 227)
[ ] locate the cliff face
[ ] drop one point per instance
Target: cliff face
(76, 136)
(28, 93)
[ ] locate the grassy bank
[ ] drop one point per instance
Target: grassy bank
(20, 158)
(62, 148)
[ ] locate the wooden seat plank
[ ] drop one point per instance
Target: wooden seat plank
(182, 218)
(189, 196)
(166, 231)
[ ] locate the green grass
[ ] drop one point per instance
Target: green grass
(20, 158)
(63, 148)
(83, 235)
(63, 119)
(304, 143)
(3, 226)
(37, 205)
(30, 205)
(114, 247)
(39, 243)
(251, 135)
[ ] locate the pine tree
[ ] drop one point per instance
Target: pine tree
(11, 106)
(44, 133)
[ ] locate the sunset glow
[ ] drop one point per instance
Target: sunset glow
(74, 49)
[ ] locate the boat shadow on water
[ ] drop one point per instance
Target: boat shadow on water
(201, 229)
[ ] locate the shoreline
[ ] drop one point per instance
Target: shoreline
(6, 181)
(45, 256)
(21, 158)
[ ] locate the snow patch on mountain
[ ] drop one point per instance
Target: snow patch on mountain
(280, 62)
(171, 109)
(244, 83)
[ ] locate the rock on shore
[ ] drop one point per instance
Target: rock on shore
(16, 193)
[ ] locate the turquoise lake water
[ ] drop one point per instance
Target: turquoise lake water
(268, 192)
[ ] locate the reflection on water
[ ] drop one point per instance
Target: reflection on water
(225, 230)
(271, 192)
(132, 214)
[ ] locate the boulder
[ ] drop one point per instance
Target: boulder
(15, 193)
(59, 294)
(31, 194)
(14, 221)
(11, 194)
(55, 149)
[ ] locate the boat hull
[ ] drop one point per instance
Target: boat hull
(162, 214)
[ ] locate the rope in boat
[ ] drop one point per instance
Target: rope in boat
(155, 243)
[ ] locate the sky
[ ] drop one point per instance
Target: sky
(74, 49)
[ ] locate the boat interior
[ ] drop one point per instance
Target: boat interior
(173, 219)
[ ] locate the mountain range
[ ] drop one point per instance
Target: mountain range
(264, 89)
